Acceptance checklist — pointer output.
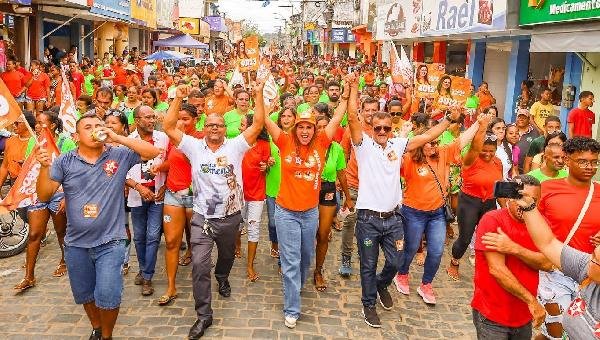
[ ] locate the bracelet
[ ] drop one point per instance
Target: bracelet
(135, 186)
(529, 208)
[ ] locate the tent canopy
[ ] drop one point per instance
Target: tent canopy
(183, 40)
(168, 55)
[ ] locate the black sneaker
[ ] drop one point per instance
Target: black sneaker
(96, 334)
(385, 299)
(371, 317)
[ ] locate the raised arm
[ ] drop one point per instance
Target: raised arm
(339, 112)
(353, 122)
(144, 149)
(258, 121)
(476, 146)
(170, 119)
(434, 132)
(467, 136)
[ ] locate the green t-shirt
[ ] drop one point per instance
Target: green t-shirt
(537, 173)
(233, 120)
(303, 107)
(536, 146)
(324, 98)
(161, 107)
(64, 144)
(87, 84)
(472, 102)
(361, 83)
(200, 122)
(273, 178)
(335, 162)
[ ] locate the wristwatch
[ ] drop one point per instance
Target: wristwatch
(529, 208)
(447, 116)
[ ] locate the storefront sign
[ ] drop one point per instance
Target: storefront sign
(341, 35)
(191, 8)
(143, 12)
(462, 16)
(217, 24)
(204, 29)
(165, 13)
(189, 25)
(398, 19)
(118, 9)
(540, 11)
(88, 3)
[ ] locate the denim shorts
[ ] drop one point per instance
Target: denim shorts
(95, 273)
(51, 205)
(555, 287)
(179, 198)
(21, 99)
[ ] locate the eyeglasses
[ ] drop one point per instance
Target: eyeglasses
(382, 128)
(491, 138)
(584, 163)
(244, 99)
(214, 125)
(396, 114)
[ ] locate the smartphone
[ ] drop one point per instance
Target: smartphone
(507, 189)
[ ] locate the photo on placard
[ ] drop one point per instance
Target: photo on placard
(486, 12)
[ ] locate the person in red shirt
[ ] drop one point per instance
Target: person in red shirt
(581, 118)
(15, 81)
(254, 167)
(561, 203)
(178, 202)
(506, 273)
(120, 75)
(77, 78)
(38, 87)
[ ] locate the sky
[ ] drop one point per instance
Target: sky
(263, 17)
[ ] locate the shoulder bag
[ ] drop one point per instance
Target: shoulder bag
(447, 208)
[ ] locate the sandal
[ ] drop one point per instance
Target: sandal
(319, 282)
(24, 285)
(274, 253)
(420, 259)
(185, 260)
(60, 270)
(253, 278)
(238, 254)
(166, 299)
(452, 270)
(125, 269)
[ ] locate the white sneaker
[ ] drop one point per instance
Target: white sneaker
(290, 322)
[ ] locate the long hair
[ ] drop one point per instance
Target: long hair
(441, 83)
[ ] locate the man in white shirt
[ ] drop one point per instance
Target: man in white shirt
(218, 198)
(379, 223)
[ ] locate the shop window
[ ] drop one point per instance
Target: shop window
(456, 58)
(547, 70)
(428, 52)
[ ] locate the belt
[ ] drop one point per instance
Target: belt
(379, 214)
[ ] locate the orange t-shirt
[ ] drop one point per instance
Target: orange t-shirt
(301, 174)
(120, 75)
(485, 100)
(422, 191)
(14, 155)
(220, 104)
(480, 177)
(370, 78)
(39, 87)
(14, 80)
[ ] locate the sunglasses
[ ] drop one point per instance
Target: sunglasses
(210, 126)
(491, 138)
(396, 114)
(380, 128)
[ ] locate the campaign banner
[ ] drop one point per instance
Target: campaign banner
(67, 106)
(118, 9)
(248, 54)
(143, 12)
(426, 78)
(23, 192)
(10, 110)
(398, 19)
(451, 92)
(444, 17)
(548, 11)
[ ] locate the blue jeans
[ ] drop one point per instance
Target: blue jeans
(147, 228)
(297, 231)
(433, 225)
(271, 215)
(371, 233)
(95, 273)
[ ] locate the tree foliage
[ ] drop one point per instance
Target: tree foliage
(251, 29)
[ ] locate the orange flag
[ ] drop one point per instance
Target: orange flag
(10, 111)
(23, 193)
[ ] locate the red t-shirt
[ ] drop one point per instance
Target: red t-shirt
(77, 81)
(120, 75)
(582, 120)
(179, 176)
(561, 204)
(254, 179)
(39, 87)
(14, 80)
(489, 298)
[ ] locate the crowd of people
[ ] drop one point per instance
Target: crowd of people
(342, 147)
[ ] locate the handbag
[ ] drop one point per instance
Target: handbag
(449, 214)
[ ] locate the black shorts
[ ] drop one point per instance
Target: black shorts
(327, 194)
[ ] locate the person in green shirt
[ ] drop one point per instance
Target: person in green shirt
(40, 212)
(88, 76)
(233, 118)
(285, 120)
(553, 165)
(311, 97)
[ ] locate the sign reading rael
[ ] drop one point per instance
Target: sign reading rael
(462, 16)
(548, 11)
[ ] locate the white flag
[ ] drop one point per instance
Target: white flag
(237, 78)
(401, 67)
(67, 106)
(270, 90)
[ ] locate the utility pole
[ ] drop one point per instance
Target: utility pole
(328, 14)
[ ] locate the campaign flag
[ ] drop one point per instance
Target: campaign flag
(401, 67)
(427, 77)
(67, 106)
(270, 89)
(237, 78)
(248, 54)
(10, 111)
(23, 192)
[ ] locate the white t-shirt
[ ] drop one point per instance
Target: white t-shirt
(216, 176)
(379, 186)
(506, 163)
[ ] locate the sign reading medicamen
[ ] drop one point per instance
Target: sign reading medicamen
(548, 11)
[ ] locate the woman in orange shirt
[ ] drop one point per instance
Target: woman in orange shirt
(481, 169)
(426, 171)
(296, 210)
(485, 96)
(38, 87)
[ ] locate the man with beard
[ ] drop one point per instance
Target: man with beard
(333, 93)
(216, 175)
(397, 111)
